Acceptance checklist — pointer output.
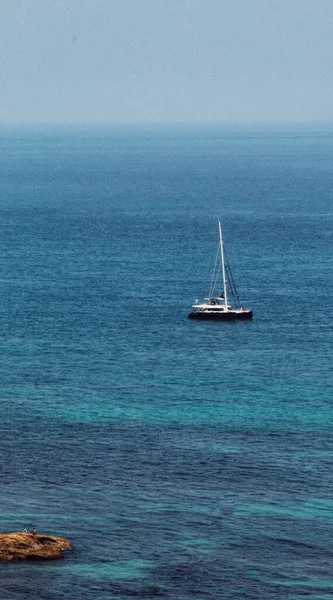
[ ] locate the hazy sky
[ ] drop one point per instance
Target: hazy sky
(121, 61)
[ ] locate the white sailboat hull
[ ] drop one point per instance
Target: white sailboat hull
(220, 314)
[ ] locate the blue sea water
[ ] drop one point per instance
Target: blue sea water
(184, 460)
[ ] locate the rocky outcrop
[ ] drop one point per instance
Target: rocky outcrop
(22, 546)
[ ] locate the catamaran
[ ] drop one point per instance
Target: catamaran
(217, 307)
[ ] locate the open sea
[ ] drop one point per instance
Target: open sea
(183, 459)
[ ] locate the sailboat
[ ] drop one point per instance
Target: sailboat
(217, 308)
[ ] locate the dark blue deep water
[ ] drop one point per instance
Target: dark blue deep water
(184, 460)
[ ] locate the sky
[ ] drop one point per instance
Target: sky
(166, 61)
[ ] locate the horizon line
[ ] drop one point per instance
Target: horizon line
(162, 123)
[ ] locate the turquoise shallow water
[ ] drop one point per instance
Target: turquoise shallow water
(182, 459)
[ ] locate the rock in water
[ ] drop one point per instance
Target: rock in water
(21, 546)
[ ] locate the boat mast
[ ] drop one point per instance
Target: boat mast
(223, 269)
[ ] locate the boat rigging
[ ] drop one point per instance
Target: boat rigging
(217, 307)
